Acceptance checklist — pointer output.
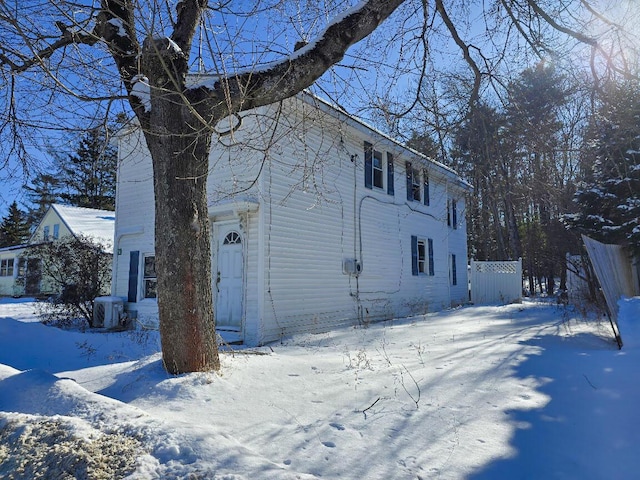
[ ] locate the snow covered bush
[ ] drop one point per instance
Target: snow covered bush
(76, 270)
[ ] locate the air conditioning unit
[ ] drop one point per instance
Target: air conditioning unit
(351, 266)
(107, 312)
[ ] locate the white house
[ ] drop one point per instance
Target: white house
(318, 220)
(57, 222)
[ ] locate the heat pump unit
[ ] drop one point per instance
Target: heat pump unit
(107, 312)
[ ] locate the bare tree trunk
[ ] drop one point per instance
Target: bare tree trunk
(178, 136)
(183, 253)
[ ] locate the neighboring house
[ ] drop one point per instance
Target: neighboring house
(318, 220)
(20, 277)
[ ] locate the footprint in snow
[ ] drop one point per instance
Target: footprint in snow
(337, 426)
(329, 444)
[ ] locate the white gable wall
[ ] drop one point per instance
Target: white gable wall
(135, 210)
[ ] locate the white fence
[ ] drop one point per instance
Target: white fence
(496, 282)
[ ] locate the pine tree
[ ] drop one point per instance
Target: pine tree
(14, 229)
(608, 198)
(88, 177)
(43, 191)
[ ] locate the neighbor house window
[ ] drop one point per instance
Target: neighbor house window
(378, 174)
(45, 233)
(56, 231)
(150, 279)
(6, 267)
(422, 256)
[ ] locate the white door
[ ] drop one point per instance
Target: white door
(228, 281)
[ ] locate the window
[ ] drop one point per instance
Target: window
(56, 231)
(454, 271)
(413, 183)
(150, 280)
(6, 267)
(45, 233)
(422, 256)
(232, 238)
(375, 168)
(417, 185)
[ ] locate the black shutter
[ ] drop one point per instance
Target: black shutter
(426, 187)
(390, 186)
(414, 255)
(409, 181)
(368, 165)
(454, 213)
(134, 260)
(454, 270)
(431, 267)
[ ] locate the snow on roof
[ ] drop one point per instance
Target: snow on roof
(91, 222)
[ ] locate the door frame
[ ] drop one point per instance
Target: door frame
(218, 231)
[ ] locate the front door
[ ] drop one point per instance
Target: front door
(229, 280)
(33, 276)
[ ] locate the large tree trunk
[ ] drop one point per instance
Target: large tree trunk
(183, 252)
(179, 139)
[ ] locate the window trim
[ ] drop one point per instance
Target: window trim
(422, 265)
(7, 267)
(149, 277)
(381, 176)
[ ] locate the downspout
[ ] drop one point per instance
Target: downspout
(356, 235)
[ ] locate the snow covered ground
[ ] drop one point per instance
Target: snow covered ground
(528, 391)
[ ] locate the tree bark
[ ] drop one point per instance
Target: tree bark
(178, 136)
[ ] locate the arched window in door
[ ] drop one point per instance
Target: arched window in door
(232, 238)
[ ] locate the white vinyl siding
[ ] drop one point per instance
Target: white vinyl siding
(308, 222)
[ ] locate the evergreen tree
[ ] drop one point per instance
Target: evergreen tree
(43, 191)
(88, 176)
(14, 229)
(608, 198)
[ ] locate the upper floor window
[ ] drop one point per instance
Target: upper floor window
(6, 267)
(56, 231)
(378, 171)
(45, 233)
(417, 184)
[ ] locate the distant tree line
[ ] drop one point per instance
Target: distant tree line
(85, 177)
(555, 158)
